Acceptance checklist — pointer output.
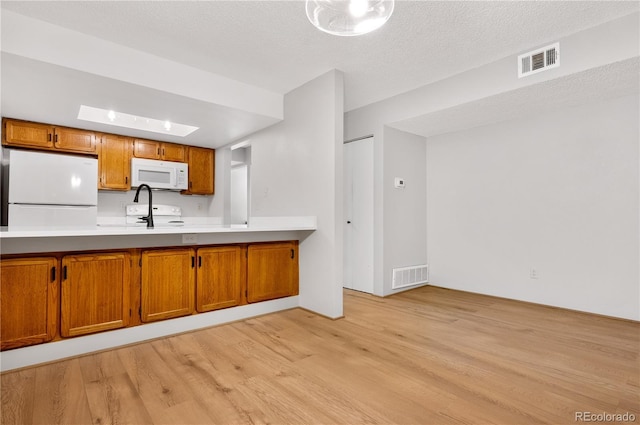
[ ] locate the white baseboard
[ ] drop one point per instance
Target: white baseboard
(72, 347)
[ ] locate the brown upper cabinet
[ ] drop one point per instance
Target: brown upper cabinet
(74, 140)
(114, 162)
(48, 137)
(201, 171)
(151, 149)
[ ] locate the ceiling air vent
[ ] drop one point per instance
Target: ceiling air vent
(539, 60)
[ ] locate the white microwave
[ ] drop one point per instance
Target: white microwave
(159, 174)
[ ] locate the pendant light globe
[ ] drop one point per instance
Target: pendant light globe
(349, 17)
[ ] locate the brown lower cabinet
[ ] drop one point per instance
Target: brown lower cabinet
(95, 293)
(220, 277)
(168, 284)
(28, 301)
(66, 294)
(272, 271)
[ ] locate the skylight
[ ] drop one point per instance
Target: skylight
(120, 119)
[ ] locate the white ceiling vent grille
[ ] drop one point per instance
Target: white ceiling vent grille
(539, 60)
(409, 276)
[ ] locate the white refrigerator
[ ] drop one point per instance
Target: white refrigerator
(50, 189)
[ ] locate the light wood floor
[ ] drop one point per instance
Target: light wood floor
(428, 356)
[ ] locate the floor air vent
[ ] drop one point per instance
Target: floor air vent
(539, 60)
(409, 276)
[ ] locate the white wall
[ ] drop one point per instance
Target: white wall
(111, 203)
(555, 192)
(405, 226)
(296, 170)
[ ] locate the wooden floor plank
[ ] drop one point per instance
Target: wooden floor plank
(18, 393)
(60, 396)
(426, 356)
(114, 400)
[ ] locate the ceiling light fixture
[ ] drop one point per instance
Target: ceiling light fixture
(106, 116)
(349, 17)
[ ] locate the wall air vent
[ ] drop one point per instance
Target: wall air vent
(539, 60)
(409, 276)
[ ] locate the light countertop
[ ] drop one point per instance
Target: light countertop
(262, 224)
(113, 234)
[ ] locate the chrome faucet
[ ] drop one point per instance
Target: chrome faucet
(148, 218)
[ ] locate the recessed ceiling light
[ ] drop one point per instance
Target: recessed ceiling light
(110, 117)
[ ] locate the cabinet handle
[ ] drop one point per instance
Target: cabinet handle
(190, 185)
(49, 134)
(55, 138)
(53, 274)
(126, 179)
(292, 253)
(162, 151)
(158, 151)
(193, 261)
(64, 273)
(199, 260)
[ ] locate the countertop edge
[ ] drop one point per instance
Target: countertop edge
(266, 224)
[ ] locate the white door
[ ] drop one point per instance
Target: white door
(358, 214)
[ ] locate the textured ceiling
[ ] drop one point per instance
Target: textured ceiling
(271, 44)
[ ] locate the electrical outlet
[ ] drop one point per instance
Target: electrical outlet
(190, 238)
(533, 273)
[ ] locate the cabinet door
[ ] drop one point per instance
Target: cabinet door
(172, 152)
(114, 162)
(74, 140)
(28, 301)
(146, 149)
(272, 271)
(95, 293)
(28, 134)
(168, 284)
(201, 171)
(220, 277)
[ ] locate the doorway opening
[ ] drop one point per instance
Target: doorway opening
(240, 185)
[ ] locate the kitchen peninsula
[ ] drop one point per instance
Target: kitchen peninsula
(94, 288)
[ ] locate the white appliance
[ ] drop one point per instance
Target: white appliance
(163, 215)
(49, 189)
(159, 174)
